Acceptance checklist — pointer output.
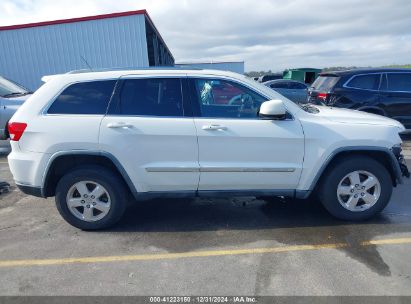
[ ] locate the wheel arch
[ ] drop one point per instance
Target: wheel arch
(61, 162)
(383, 155)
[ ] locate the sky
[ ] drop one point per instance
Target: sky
(266, 34)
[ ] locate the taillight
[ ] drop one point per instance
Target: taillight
(16, 130)
(322, 96)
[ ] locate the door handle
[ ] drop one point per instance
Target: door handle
(213, 127)
(115, 125)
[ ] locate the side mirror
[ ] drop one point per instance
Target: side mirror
(272, 109)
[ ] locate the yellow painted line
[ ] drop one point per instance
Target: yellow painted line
(387, 242)
(192, 254)
(167, 256)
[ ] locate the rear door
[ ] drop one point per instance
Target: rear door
(396, 97)
(149, 130)
(237, 149)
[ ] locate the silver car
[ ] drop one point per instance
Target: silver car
(12, 96)
(294, 90)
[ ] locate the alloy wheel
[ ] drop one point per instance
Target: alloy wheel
(358, 191)
(88, 201)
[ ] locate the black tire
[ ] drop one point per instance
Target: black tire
(6, 134)
(333, 176)
(109, 180)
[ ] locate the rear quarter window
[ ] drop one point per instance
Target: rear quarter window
(84, 98)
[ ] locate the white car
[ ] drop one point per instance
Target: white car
(96, 140)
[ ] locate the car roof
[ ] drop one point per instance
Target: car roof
(85, 75)
(363, 71)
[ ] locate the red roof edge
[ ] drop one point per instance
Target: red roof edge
(72, 20)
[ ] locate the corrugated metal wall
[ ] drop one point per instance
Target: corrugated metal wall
(237, 67)
(30, 53)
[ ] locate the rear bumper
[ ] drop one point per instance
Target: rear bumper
(30, 190)
(27, 168)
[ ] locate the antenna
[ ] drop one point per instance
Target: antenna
(85, 61)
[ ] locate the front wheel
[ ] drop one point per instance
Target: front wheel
(356, 188)
(91, 198)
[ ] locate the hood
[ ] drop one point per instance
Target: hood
(356, 117)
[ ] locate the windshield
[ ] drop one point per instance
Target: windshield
(325, 83)
(9, 88)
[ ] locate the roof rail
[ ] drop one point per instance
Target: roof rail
(131, 69)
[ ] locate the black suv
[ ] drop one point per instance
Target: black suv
(380, 91)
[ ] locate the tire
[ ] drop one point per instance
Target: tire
(5, 134)
(113, 199)
(332, 188)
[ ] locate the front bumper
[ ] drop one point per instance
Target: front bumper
(401, 161)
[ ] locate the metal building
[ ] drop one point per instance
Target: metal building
(232, 66)
(119, 40)
(306, 75)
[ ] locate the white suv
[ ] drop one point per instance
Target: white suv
(96, 140)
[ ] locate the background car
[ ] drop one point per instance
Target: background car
(380, 91)
(12, 96)
(268, 77)
(294, 90)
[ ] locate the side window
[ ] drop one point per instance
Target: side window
(297, 86)
(221, 98)
(399, 82)
(279, 85)
(368, 82)
(151, 97)
(84, 98)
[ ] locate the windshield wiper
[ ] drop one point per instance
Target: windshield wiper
(16, 94)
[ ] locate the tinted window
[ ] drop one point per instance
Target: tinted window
(325, 83)
(220, 98)
(84, 98)
(279, 85)
(399, 82)
(152, 97)
(297, 86)
(270, 77)
(368, 82)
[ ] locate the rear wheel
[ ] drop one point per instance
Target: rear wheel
(91, 198)
(356, 188)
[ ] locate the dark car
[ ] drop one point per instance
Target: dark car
(294, 90)
(268, 77)
(380, 91)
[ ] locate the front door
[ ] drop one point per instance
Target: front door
(237, 150)
(151, 135)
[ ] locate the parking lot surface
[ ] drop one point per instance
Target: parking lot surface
(205, 247)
